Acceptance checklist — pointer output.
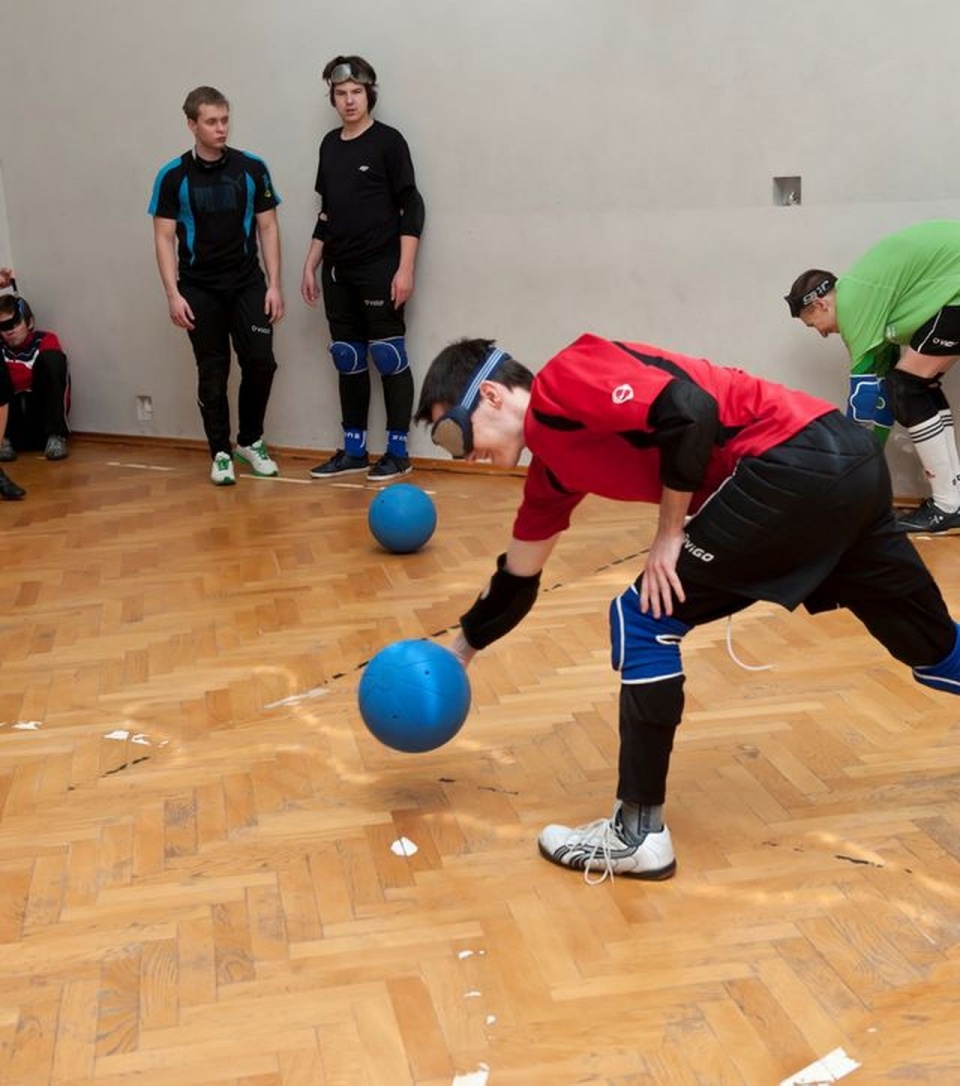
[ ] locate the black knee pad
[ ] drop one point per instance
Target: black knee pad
(914, 399)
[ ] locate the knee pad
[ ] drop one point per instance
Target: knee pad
(389, 355)
(869, 400)
(644, 649)
(914, 399)
(349, 356)
(946, 674)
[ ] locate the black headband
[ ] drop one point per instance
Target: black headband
(800, 302)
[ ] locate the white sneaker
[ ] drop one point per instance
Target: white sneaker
(257, 457)
(602, 846)
(221, 472)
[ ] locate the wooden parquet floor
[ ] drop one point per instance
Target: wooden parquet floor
(206, 863)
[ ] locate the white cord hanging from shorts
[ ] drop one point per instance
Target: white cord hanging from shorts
(736, 659)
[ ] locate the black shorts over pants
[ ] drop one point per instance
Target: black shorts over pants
(356, 299)
(810, 521)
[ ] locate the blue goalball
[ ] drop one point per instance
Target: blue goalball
(402, 518)
(414, 696)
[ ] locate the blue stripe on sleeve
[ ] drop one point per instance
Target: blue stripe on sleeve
(155, 197)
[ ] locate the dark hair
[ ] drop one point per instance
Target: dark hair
(362, 68)
(202, 96)
(815, 280)
(13, 304)
(451, 371)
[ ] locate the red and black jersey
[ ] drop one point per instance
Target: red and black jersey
(624, 420)
(20, 360)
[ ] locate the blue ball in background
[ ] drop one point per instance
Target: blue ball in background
(402, 518)
(414, 696)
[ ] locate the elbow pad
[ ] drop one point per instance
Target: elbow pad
(503, 604)
(322, 230)
(686, 427)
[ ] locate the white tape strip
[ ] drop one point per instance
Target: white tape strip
(316, 692)
(831, 1068)
(473, 1078)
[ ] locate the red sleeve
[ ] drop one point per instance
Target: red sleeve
(49, 342)
(546, 507)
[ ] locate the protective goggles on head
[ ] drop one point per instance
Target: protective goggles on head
(798, 302)
(453, 431)
(348, 73)
(9, 323)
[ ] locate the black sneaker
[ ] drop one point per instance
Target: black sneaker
(929, 518)
(390, 467)
(9, 490)
(341, 464)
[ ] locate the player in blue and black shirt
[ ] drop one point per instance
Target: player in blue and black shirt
(210, 206)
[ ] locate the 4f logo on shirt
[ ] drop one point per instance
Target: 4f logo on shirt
(622, 393)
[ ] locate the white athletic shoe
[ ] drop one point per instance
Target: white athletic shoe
(602, 846)
(221, 471)
(257, 456)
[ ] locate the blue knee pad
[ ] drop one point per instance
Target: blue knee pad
(349, 356)
(644, 649)
(389, 355)
(946, 674)
(869, 400)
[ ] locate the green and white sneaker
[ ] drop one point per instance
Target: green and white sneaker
(221, 471)
(257, 456)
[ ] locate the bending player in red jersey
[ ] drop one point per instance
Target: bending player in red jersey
(764, 493)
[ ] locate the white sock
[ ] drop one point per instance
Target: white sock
(936, 445)
(948, 428)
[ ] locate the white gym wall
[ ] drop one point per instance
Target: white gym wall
(601, 166)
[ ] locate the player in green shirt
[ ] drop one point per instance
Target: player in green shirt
(901, 297)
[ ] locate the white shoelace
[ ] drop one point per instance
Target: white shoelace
(607, 839)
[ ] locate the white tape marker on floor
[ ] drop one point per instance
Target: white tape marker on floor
(831, 1068)
(316, 692)
(139, 467)
(473, 1078)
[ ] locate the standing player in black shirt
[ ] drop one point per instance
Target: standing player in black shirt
(367, 233)
(209, 207)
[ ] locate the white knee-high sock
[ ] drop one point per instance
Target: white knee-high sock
(950, 430)
(936, 445)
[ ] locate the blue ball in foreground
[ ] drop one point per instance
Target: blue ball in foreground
(402, 518)
(414, 696)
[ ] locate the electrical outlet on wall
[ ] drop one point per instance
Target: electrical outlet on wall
(144, 408)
